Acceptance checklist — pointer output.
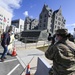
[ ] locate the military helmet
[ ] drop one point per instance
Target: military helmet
(61, 32)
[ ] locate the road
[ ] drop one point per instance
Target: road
(11, 65)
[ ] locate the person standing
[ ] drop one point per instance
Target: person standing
(5, 42)
(62, 53)
(10, 46)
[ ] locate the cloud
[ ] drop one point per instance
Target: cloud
(26, 13)
(32, 6)
(70, 27)
(73, 24)
(10, 5)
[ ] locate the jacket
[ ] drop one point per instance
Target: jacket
(6, 40)
(63, 58)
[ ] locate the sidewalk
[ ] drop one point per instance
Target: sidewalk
(20, 45)
(26, 56)
(30, 56)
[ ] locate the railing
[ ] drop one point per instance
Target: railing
(31, 43)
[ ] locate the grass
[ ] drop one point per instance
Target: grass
(44, 48)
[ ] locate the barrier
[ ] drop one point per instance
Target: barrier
(42, 67)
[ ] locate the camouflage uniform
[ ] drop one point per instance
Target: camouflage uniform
(63, 58)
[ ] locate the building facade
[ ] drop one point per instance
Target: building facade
(30, 24)
(18, 25)
(45, 19)
(50, 20)
(27, 23)
(58, 21)
(5, 19)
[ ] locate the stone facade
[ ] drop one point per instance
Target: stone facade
(50, 20)
(58, 21)
(45, 19)
(30, 24)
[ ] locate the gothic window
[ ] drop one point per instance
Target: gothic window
(50, 10)
(44, 25)
(58, 23)
(56, 17)
(51, 21)
(59, 13)
(55, 26)
(45, 15)
(50, 29)
(44, 20)
(55, 21)
(59, 19)
(58, 27)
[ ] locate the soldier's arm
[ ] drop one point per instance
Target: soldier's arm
(50, 53)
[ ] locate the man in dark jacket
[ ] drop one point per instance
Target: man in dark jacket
(5, 42)
(63, 54)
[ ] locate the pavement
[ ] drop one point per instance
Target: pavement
(29, 55)
(26, 54)
(11, 65)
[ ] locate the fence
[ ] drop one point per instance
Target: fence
(31, 43)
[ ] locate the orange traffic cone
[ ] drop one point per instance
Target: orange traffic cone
(28, 70)
(14, 52)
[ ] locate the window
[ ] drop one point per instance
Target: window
(55, 21)
(58, 23)
(44, 25)
(7, 22)
(59, 13)
(40, 25)
(55, 26)
(45, 15)
(56, 17)
(58, 27)
(59, 19)
(50, 10)
(51, 21)
(50, 30)
(44, 20)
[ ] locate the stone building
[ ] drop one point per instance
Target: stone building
(50, 20)
(30, 24)
(45, 19)
(27, 23)
(58, 21)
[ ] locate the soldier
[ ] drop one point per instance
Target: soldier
(63, 54)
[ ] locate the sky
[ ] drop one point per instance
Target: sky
(23, 8)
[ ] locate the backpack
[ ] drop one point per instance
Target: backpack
(2, 36)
